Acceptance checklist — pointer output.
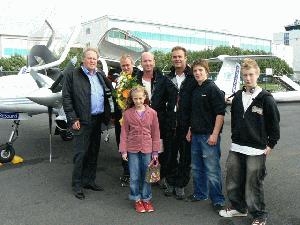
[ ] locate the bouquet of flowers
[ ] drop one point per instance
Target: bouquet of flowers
(125, 83)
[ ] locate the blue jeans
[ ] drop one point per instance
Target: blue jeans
(206, 169)
(139, 188)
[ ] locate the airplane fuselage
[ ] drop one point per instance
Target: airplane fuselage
(14, 93)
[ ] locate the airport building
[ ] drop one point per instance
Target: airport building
(291, 38)
(14, 40)
(12, 45)
(164, 37)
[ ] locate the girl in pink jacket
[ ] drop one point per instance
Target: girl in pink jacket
(140, 141)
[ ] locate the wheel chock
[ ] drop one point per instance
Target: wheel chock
(17, 159)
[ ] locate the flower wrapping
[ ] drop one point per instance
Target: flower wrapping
(124, 84)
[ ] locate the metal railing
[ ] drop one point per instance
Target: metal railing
(6, 73)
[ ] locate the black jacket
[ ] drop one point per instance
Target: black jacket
(161, 96)
(208, 101)
(180, 118)
(77, 96)
(258, 127)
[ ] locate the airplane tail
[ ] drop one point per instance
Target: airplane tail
(228, 79)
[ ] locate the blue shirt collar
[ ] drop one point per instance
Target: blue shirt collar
(87, 72)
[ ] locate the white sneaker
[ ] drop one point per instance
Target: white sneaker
(231, 213)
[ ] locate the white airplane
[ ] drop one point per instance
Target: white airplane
(37, 88)
(228, 78)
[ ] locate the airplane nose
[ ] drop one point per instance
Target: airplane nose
(44, 96)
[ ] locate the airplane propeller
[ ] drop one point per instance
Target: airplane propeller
(38, 79)
(50, 110)
(42, 95)
(57, 86)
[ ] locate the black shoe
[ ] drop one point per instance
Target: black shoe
(192, 198)
(218, 207)
(93, 187)
(125, 180)
(179, 197)
(79, 194)
(162, 184)
(179, 192)
(169, 192)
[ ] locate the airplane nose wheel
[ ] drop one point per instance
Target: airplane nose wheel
(7, 153)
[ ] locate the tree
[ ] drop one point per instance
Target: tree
(14, 63)
(279, 66)
(73, 52)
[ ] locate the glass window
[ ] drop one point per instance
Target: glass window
(88, 30)
(286, 39)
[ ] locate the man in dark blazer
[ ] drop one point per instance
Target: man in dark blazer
(85, 101)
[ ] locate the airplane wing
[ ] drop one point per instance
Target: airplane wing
(222, 58)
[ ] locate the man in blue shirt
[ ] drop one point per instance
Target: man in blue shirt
(85, 101)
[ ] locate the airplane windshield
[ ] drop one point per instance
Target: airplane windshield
(47, 43)
(116, 41)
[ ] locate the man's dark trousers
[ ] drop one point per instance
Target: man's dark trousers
(86, 149)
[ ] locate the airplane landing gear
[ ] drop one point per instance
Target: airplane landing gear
(7, 151)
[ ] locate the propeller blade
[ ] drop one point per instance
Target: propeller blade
(52, 35)
(38, 79)
(50, 110)
(57, 85)
(40, 54)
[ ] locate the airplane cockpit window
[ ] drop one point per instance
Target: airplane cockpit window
(116, 42)
(47, 43)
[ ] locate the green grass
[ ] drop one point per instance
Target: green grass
(272, 87)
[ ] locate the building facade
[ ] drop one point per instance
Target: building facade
(291, 38)
(164, 37)
(17, 39)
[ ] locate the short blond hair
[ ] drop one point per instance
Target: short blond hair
(91, 50)
(250, 63)
(126, 56)
(176, 48)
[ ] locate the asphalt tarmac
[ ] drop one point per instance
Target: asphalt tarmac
(37, 192)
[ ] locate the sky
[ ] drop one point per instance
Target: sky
(256, 18)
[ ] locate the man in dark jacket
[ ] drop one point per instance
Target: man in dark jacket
(255, 131)
(177, 124)
(85, 102)
(159, 89)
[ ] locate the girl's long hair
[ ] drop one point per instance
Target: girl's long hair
(139, 88)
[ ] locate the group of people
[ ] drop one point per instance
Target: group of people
(176, 120)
